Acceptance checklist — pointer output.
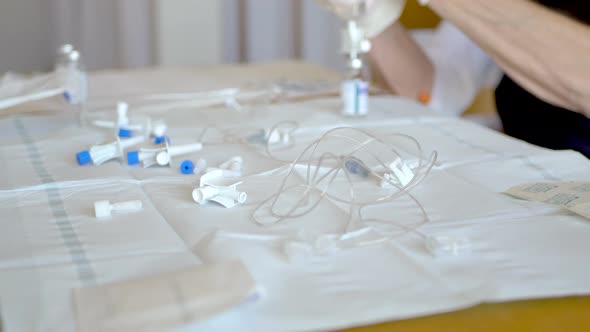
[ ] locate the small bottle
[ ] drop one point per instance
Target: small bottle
(75, 79)
(355, 96)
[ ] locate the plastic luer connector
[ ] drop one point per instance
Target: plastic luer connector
(104, 209)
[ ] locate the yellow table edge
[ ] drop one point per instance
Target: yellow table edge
(560, 314)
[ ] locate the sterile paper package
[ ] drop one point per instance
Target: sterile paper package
(164, 301)
(574, 196)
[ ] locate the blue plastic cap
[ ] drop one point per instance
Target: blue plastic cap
(83, 158)
(187, 167)
(160, 140)
(125, 133)
(133, 158)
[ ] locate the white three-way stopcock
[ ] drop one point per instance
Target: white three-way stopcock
(216, 188)
(161, 156)
(99, 154)
(104, 209)
(399, 173)
(122, 125)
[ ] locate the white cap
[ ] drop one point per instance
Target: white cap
(163, 158)
(122, 119)
(102, 209)
(159, 128)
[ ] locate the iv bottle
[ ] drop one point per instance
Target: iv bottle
(354, 90)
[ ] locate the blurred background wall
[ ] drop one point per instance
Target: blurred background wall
(139, 33)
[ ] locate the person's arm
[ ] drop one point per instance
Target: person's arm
(546, 52)
(407, 70)
(447, 65)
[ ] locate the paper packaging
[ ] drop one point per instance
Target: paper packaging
(164, 301)
(574, 196)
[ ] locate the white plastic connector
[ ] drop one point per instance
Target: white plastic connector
(159, 128)
(200, 166)
(122, 118)
(399, 173)
(100, 154)
(104, 209)
(233, 167)
(154, 128)
(163, 156)
(443, 245)
(214, 187)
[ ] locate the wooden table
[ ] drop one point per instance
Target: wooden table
(564, 314)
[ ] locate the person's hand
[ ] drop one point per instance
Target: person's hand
(374, 16)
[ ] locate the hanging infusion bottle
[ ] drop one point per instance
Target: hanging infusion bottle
(354, 91)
